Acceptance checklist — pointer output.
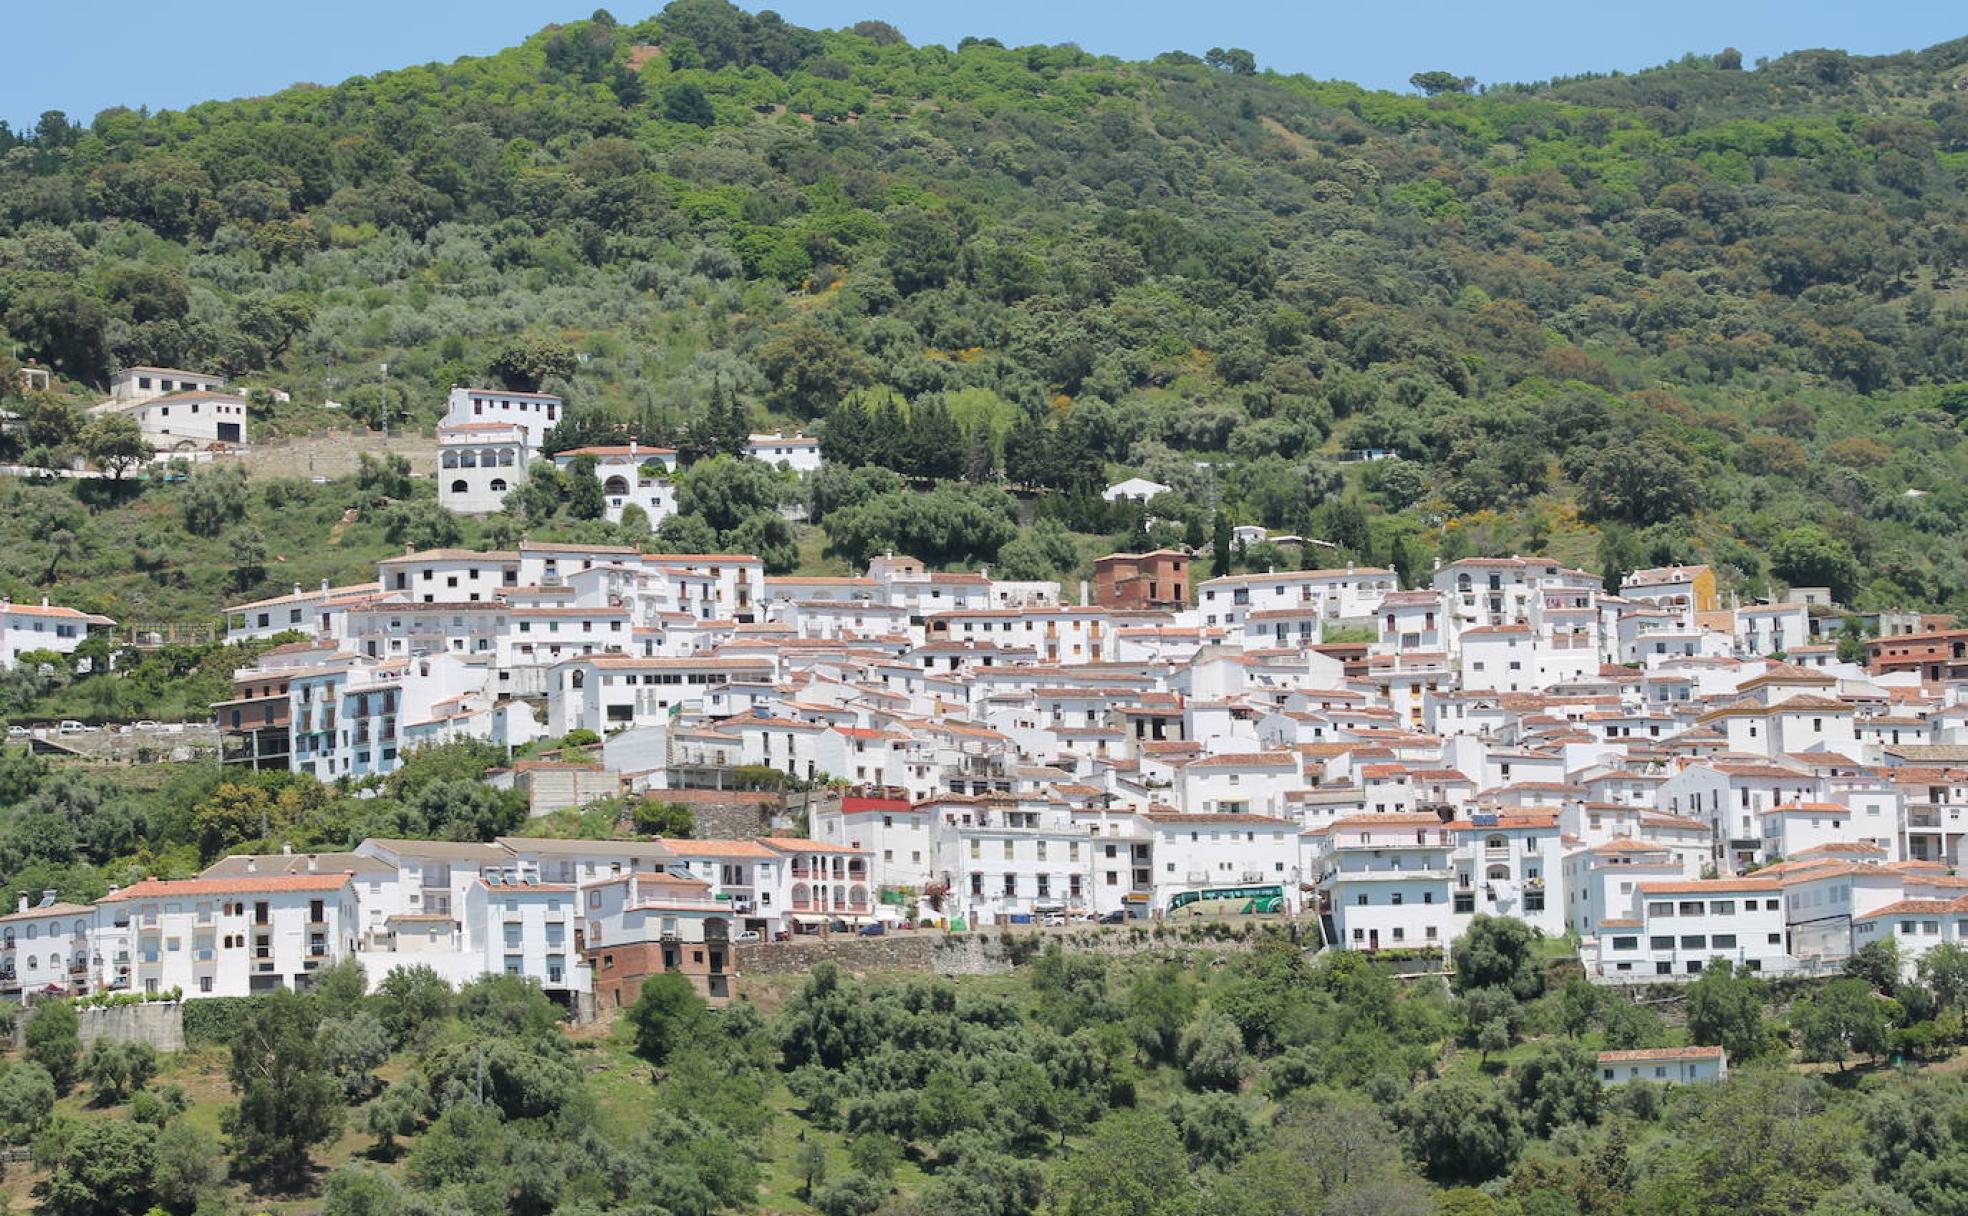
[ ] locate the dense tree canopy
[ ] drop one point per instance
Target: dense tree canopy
(1709, 306)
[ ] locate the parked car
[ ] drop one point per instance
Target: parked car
(17, 732)
(1118, 916)
(873, 928)
(143, 724)
(838, 926)
(746, 937)
(70, 726)
(1053, 920)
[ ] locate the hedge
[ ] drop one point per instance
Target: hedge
(215, 1020)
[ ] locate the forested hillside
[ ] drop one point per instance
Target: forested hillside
(1699, 312)
(1196, 1080)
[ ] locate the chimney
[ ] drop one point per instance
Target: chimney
(313, 863)
(324, 584)
(23, 902)
(297, 588)
(252, 865)
(286, 850)
(44, 601)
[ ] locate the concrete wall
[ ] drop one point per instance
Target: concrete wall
(158, 1023)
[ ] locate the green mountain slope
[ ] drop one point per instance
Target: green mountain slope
(1698, 312)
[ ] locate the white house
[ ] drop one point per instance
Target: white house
(528, 928)
(311, 611)
(1683, 926)
(479, 463)
(605, 693)
(186, 421)
(1391, 883)
(630, 475)
(224, 936)
(1350, 593)
(43, 945)
(43, 626)
(147, 383)
(800, 453)
(1134, 489)
(1663, 1065)
(533, 413)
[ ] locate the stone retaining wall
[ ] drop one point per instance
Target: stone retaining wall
(158, 1023)
(997, 951)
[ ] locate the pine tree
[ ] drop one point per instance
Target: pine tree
(935, 441)
(1220, 547)
(888, 437)
(846, 436)
(1406, 562)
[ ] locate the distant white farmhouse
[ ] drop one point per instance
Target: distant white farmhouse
(1134, 489)
(1664, 1065)
(178, 411)
(146, 383)
(43, 626)
(800, 452)
(186, 422)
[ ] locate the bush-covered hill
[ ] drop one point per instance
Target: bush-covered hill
(1695, 312)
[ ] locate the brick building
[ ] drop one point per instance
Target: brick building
(1157, 579)
(1940, 655)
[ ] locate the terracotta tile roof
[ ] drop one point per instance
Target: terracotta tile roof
(788, 844)
(1711, 886)
(730, 850)
(1247, 760)
(257, 884)
(1916, 907)
(615, 450)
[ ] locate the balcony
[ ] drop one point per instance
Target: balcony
(1425, 875)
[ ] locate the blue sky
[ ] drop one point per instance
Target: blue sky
(84, 55)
